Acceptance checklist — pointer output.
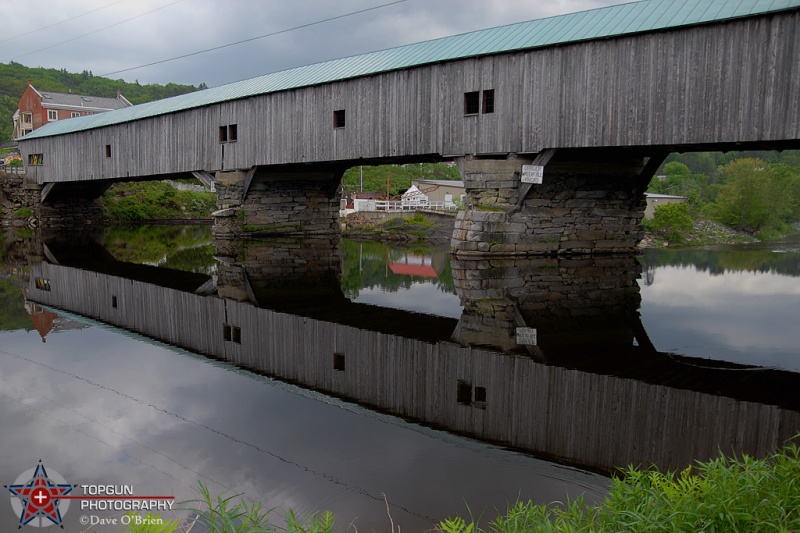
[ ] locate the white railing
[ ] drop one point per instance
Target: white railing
(399, 205)
(12, 169)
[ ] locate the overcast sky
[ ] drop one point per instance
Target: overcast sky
(106, 36)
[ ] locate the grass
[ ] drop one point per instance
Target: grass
(721, 495)
(23, 213)
(155, 200)
(231, 513)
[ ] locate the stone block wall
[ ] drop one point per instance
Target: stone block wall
(16, 194)
(297, 203)
(582, 207)
(250, 267)
(75, 212)
(570, 301)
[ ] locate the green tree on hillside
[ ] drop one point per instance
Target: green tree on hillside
(758, 196)
(14, 78)
(681, 181)
(399, 177)
(670, 220)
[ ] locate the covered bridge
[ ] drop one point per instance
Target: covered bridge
(596, 99)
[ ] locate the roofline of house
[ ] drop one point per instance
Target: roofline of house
(76, 107)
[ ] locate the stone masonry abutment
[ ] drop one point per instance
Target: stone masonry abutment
(293, 201)
(587, 203)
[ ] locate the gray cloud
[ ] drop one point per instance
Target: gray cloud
(192, 25)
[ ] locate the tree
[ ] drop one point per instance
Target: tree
(671, 220)
(744, 199)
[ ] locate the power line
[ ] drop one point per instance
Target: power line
(97, 31)
(255, 38)
(27, 33)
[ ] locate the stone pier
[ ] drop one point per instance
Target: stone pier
(575, 305)
(283, 201)
(589, 202)
(73, 207)
(281, 268)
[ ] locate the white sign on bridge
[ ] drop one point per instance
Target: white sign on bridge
(532, 173)
(526, 336)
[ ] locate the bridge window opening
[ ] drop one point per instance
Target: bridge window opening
(339, 118)
(464, 392)
(43, 284)
(108, 150)
(480, 394)
(472, 103)
(338, 361)
(488, 101)
(36, 159)
(114, 302)
(229, 133)
(232, 333)
(52, 115)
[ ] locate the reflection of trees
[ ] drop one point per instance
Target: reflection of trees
(161, 245)
(12, 308)
(365, 265)
(720, 261)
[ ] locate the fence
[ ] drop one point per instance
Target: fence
(12, 169)
(399, 205)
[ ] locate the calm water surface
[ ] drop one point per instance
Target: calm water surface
(346, 375)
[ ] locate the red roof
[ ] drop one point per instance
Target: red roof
(425, 271)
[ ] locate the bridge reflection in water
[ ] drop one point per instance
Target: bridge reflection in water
(549, 356)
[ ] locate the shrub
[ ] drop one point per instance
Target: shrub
(670, 220)
(723, 494)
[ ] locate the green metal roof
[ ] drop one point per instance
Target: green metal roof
(623, 19)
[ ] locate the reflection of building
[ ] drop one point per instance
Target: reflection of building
(37, 108)
(46, 321)
(655, 200)
(594, 397)
(414, 265)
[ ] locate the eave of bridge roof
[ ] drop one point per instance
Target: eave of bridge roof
(612, 21)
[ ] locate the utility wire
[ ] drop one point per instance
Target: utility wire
(97, 31)
(255, 38)
(27, 33)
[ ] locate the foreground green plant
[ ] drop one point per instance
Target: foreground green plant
(231, 513)
(720, 495)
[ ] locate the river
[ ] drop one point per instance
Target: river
(387, 384)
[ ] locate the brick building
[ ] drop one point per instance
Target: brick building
(37, 108)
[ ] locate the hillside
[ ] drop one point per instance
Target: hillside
(14, 78)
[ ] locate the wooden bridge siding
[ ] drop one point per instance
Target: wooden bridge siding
(590, 419)
(724, 83)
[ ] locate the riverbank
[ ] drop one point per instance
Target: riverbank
(406, 227)
(437, 229)
(702, 233)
